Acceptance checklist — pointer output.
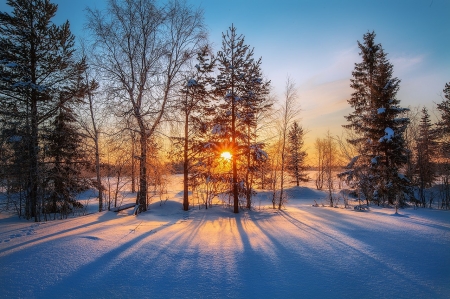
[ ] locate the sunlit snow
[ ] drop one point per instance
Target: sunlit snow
(301, 251)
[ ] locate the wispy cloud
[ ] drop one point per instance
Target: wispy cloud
(403, 64)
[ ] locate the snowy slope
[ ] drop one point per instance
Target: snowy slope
(299, 252)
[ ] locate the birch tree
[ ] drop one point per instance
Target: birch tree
(288, 112)
(142, 51)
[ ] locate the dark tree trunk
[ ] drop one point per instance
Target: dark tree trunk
(186, 165)
(142, 194)
(133, 163)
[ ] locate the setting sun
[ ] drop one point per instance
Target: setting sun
(226, 155)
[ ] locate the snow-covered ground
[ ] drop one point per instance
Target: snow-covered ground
(300, 252)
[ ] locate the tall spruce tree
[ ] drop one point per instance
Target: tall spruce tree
(443, 124)
(39, 73)
(443, 128)
(426, 148)
(194, 102)
(296, 154)
(241, 90)
(379, 126)
(65, 155)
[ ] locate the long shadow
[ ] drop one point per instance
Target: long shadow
(360, 257)
(77, 283)
(30, 242)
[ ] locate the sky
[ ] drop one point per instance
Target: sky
(314, 43)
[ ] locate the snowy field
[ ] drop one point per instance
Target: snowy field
(299, 252)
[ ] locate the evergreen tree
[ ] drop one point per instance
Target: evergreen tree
(444, 124)
(296, 156)
(39, 73)
(65, 156)
(443, 129)
(194, 105)
(425, 149)
(241, 91)
(378, 125)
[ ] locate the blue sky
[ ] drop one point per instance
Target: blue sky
(315, 43)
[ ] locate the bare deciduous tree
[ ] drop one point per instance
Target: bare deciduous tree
(142, 50)
(288, 112)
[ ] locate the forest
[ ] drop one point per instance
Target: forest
(146, 97)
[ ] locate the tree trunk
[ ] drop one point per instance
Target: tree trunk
(97, 154)
(33, 201)
(186, 164)
(133, 163)
(142, 194)
(280, 203)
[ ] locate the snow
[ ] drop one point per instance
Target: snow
(11, 64)
(403, 177)
(191, 83)
(351, 164)
(381, 110)
(217, 129)
(29, 84)
(301, 251)
(389, 133)
(15, 138)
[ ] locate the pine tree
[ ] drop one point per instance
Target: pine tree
(425, 149)
(444, 123)
(66, 158)
(296, 164)
(443, 129)
(39, 74)
(241, 90)
(195, 98)
(377, 122)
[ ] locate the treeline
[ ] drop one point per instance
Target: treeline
(148, 94)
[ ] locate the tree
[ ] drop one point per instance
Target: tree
(330, 161)
(66, 157)
(296, 164)
(142, 51)
(39, 75)
(377, 122)
(90, 123)
(194, 100)
(443, 129)
(320, 154)
(443, 124)
(240, 90)
(327, 161)
(425, 149)
(288, 113)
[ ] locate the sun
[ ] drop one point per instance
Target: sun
(226, 155)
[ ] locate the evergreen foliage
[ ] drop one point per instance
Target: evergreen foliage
(444, 123)
(66, 156)
(379, 126)
(195, 100)
(241, 91)
(426, 148)
(296, 155)
(39, 74)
